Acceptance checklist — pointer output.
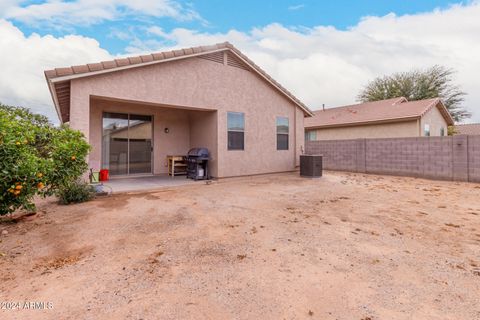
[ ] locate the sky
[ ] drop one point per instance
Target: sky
(324, 52)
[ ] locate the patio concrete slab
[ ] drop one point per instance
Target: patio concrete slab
(119, 185)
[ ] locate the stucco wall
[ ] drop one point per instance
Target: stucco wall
(385, 130)
(203, 133)
(436, 121)
(202, 84)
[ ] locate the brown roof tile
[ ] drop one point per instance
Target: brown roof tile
(158, 56)
(211, 47)
(95, 67)
(178, 53)
(50, 73)
(64, 71)
(147, 58)
(384, 110)
(470, 128)
(188, 51)
(109, 64)
(135, 60)
(80, 69)
(168, 54)
(122, 62)
(197, 49)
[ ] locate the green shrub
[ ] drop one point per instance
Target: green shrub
(75, 192)
(36, 158)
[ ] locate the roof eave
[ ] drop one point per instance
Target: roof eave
(230, 48)
(370, 122)
(51, 88)
(449, 119)
(131, 66)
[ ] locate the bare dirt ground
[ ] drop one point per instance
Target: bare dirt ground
(346, 246)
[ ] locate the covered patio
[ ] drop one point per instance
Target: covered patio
(146, 183)
(133, 138)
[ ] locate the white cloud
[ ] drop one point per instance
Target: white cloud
(319, 65)
(327, 65)
(62, 13)
(23, 60)
(296, 7)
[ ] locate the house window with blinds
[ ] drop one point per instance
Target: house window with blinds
(426, 130)
(236, 130)
(282, 133)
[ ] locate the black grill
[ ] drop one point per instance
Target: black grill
(197, 163)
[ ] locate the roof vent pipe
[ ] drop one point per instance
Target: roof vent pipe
(323, 106)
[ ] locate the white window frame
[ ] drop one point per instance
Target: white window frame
(426, 130)
(229, 130)
(285, 134)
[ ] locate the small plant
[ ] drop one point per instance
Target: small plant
(451, 130)
(75, 192)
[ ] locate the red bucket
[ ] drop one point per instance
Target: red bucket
(103, 175)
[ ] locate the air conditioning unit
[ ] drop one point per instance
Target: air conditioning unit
(311, 166)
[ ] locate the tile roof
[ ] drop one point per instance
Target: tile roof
(470, 128)
(390, 110)
(64, 75)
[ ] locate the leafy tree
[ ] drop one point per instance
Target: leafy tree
(36, 158)
(417, 85)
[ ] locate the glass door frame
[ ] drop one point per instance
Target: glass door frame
(128, 174)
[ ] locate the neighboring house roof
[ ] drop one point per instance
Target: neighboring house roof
(390, 110)
(471, 128)
(59, 79)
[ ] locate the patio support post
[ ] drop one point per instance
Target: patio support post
(80, 115)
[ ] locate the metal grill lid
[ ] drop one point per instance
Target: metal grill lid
(199, 152)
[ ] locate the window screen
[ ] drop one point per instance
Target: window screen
(282, 133)
(427, 130)
(236, 130)
(311, 135)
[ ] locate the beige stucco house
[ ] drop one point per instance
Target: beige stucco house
(135, 111)
(392, 118)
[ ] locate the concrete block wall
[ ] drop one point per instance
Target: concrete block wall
(454, 158)
(474, 158)
(338, 154)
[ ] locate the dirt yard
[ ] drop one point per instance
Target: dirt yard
(346, 246)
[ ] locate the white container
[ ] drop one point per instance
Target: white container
(201, 172)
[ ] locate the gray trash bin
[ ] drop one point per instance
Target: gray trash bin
(311, 166)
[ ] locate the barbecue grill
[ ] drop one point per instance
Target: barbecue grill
(197, 163)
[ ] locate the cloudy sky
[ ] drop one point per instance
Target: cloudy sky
(322, 51)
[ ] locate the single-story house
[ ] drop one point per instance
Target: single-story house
(391, 118)
(469, 128)
(135, 111)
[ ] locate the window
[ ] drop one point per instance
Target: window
(311, 135)
(426, 130)
(236, 130)
(127, 143)
(442, 131)
(282, 133)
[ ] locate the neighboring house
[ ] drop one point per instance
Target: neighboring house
(471, 129)
(136, 111)
(390, 118)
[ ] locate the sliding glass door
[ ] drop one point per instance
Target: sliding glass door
(127, 143)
